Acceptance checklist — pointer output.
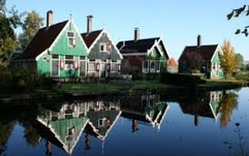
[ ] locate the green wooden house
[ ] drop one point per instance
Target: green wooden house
(56, 50)
(202, 59)
(63, 128)
(143, 56)
(104, 59)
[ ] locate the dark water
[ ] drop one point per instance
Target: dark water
(211, 123)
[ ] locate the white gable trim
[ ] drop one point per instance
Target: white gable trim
(77, 31)
(114, 45)
(95, 41)
(150, 50)
(165, 47)
(40, 55)
(52, 45)
(58, 37)
(218, 48)
(100, 35)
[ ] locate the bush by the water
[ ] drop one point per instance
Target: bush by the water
(181, 79)
(23, 79)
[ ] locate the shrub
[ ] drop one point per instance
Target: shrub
(23, 79)
(181, 79)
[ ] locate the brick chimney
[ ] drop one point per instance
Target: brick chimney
(199, 41)
(50, 18)
(136, 34)
(89, 23)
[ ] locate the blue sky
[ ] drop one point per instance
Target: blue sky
(178, 21)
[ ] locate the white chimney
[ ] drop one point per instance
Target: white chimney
(50, 18)
(89, 23)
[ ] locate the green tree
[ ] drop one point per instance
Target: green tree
(30, 26)
(227, 58)
(9, 21)
(244, 10)
(239, 62)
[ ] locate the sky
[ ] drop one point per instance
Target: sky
(178, 21)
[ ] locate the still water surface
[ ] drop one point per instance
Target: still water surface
(212, 123)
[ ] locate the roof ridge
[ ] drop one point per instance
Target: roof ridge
(100, 30)
(202, 45)
(140, 39)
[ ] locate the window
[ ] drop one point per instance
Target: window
(92, 65)
(157, 65)
(152, 65)
(213, 64)
(69, 61)
(82, 57)
(70, 34)
(55, 56)
(103, 122)
(69, 57)
(146, 64)
(103, 47)
(71, 39)
(114, 66)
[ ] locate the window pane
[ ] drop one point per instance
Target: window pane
(91, 66)
(55, 56)
(68, 57)
(70, 34)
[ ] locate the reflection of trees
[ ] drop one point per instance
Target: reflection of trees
(31, 135)
(5, 132)
(228, 104)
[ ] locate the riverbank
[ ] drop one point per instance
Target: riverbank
(73, 90)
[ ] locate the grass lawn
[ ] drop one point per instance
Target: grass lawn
(112, 87)
(222, 83)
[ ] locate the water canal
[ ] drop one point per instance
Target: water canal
(210, 123)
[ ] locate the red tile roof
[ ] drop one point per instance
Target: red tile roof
(42, 40)
(206, 51)
(172, 63)
(89, 38)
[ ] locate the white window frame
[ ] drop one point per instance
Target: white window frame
(71, 65)
(92, 62)
(152, 70)
(145, 70)
(114, 66)
(104, 44)
(69, 38)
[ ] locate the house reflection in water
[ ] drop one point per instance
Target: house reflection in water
(65, 127)
(207, 105)
(97, 118)
(145, 109)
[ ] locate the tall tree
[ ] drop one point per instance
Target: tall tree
(244, 10)
(31, 24)
(227, 58)
(9, 20)
(238, 62)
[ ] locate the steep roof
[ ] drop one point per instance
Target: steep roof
(206, 52)
(42, 40)
(172, 63)
(140, 46)
(89, 38)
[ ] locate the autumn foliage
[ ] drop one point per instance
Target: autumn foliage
(227, 58)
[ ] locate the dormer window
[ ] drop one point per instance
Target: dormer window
(71, 39)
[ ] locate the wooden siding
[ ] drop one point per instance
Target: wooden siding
(96, 54)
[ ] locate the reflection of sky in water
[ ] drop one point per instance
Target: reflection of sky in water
(177, 135)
